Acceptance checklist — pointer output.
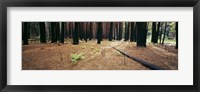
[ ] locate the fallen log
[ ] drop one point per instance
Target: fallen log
(145, 63)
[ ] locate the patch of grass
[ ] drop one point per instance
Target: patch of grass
(76, 57)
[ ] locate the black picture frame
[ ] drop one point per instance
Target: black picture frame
(100, 3)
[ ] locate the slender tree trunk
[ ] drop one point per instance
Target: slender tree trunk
(132, 36)
(160, 35)
(120, 30)
(66, 30)
(25, 33)
(99, 33)
(70, 29)
(125, 34)
(128, 31)
(114, 31)
(75, 34)
(28, 30)
(42, 32)
(86, 33)
(53, 32)
(176, 35)
(154, 34)
(135, 33)
(57, 31)
(111, 31)
(164, 33)
(157, 32)
(47, 28)
(80, 31)
(91, 31)
(141, 33)
(62, 32)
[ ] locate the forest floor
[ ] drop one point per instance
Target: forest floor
(56, 56)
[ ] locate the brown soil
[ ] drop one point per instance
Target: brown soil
(54, 56)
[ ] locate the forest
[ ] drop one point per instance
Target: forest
(100, 45)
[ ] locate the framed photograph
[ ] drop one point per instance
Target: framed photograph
(87, 45)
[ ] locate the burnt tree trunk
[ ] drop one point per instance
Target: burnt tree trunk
(164, 33)
(160, 33)
(53, 32)
(128, 32)
(25, 33)
(157, 32)
(120, 30)
(91, 31)
(57, 31)
(75, 34)
(141, 33)
(154, 34)
(86, 32)
(62, 38)
(42, 32)
(176, 35)
(133, 32)
(99, 33)
(81, 31)
(111, 31)
(125, 33)
(70, 29)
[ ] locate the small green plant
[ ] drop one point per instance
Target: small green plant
(76, 57)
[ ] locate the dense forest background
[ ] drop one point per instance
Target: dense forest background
(100, 45)
(140, 32)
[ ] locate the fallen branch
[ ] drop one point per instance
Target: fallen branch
(145, 63)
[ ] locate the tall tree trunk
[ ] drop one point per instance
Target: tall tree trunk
(70, 29)
(164, 33)
(91, 31)
(57, 31)
(99, 33)
(120, 30)
(62, 32)
(125, 33)
(111, 31)
(128, 31)
(42, 32)
(114, 31)
(176, 35)
(25, 33)
(133, 34)
(53, 32)
(47, 28)
(75, 34)
(28, 29)
(80, 31)
(154, 34)
(141, 33)
(157, 32)
(160, 33)
(66, 30)
(86, 32)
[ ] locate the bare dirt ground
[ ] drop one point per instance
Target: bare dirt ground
(54, 56)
